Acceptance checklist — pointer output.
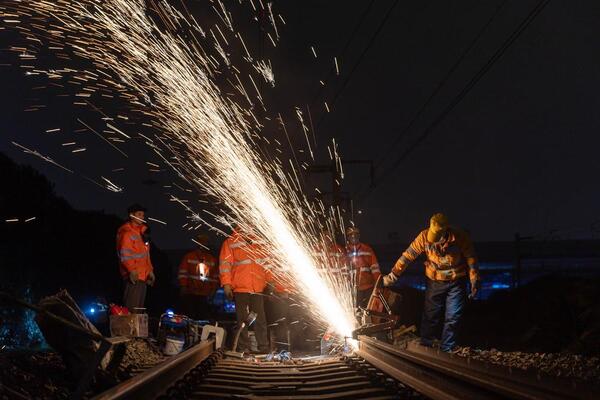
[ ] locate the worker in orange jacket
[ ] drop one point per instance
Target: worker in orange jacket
(332, 260)
(198, 279)
(364, 263)
(133, 249)
(244, 278)
(450, 261)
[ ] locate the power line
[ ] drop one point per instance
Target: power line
(442, 83)
(436, 122)
(360, 58)
(345, 48)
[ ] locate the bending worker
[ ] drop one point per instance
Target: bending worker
(198, 280)
(133, 248)
(450, 258)
(244, 278)
(364, 262)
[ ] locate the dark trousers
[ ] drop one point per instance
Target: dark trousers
(194, 306)
(134, 295)
(285, 321)
(439, 297)
(244, 303)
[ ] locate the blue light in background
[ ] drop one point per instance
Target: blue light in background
(170, 313)
(229, 306)
(497, 285)
(92, 310)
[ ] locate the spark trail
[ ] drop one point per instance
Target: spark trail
(169, 81)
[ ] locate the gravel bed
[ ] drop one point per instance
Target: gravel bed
(32, 375)
(41, 375)
(555, 364)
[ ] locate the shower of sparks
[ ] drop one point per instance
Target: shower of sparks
(111, 186)
(168, 81)
(266, 71)
(157, 220)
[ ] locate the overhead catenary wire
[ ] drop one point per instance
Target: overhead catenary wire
(442, 83)
(370, 44)
(460, 96)
(357, 27)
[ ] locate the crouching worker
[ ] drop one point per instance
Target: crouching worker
(450, 260)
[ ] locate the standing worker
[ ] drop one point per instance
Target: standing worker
(133, 249)
(244, 279)
(364, 262)
(332, 259)
(450, 258)
(198, 280)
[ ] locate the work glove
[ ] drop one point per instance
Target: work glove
(228, 291)
(389, 279)
(150, 279)
(133, 277)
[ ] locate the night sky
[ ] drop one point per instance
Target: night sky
(517, 154)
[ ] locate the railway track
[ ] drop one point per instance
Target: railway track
(376, 370)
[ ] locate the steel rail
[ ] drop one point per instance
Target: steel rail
(430, 383)
(153, 382)
(510, 383)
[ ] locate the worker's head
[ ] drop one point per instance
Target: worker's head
(202, 239)
(136, 214)
(438, 225)
(352, 235)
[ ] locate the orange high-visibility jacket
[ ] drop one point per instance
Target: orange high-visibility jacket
(332, 260)
(447, 259)
(363, 260)
(134, 254)
(198, 272)
(243, 264)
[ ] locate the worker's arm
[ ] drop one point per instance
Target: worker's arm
(127, 254)
(468, 252)
(410, 254)
(343, 261)
(416, 248)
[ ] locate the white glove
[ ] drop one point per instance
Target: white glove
(389, 279)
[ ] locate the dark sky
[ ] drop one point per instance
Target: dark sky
(518, 154)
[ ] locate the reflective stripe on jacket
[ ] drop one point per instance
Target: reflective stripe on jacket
(243, 264)
(133, 253)
(363, 260)
(333, 261)
(453, 252)
(198, 273)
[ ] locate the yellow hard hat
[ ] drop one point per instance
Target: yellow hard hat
(438, 224)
